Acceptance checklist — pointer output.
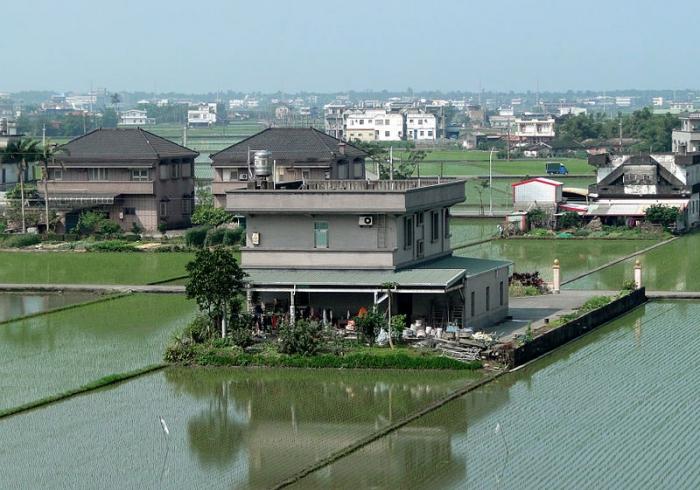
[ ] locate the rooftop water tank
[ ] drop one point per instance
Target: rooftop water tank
(262, 163)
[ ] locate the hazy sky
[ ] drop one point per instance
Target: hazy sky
(323, 46)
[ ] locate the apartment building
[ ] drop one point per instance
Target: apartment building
(420, 126)
(534, 128)
(373, 125)
(135, 117)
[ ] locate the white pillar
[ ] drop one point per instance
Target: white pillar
(638, 274)
(249, 299)
(292, 311)
(556, 277)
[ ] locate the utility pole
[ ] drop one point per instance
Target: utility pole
(620, 123)
(491, 181)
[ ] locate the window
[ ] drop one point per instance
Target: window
(430, 133)
(410, 120)
(362, 121)
(343, 169)
(419, 219)
(422, 133)
(305, 174)
(446, 222)
(175, 171)
(357, 168)
(163, 171)
(473, 302)
(321, 234)
(186, 206)
(386, 122)
(387, 133)
(488, 298)
(186, 169)
(434, 226)
(407, 232)
(97, 174)
(163, 208)
(55, 174)
(420, 247)
(129, 211)
(139, 174)
(379, 122)
(420, 121)
(500, 293)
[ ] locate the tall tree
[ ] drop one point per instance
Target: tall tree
(216, 282)
(20, 153)
(48, 154)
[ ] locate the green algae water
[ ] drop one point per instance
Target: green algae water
(14, 305)
(91, 267)
(228, 428)
(575, 256)
(615, 409)
(49, 354)
(466, 230)
(671, 267)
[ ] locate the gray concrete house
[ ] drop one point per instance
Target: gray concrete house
(132, 175)
(298, 154)
(332, 244)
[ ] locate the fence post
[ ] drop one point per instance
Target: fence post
(556, 277)
(638, 274)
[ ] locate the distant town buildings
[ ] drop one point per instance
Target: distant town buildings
(687, 138)
(202, 115)
(135, 117)
(534, 128)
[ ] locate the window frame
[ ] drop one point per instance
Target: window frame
(101, 173)
(408, 232)
(319, 236)
(163, 208)
(434, 226)
(136, 178)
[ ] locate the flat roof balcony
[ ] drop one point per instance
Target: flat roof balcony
(350, 197)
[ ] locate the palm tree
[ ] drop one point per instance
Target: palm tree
(20, 153)
(48, 154)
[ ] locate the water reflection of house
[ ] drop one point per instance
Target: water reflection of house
(334, 245)
(628, 184)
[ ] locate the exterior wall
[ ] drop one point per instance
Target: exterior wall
(374, 125)
(421, 127)
(535, 191)
(177, 193)
(482, 316)
(408, 253)
(145, 212)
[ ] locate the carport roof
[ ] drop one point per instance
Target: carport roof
(440, 273)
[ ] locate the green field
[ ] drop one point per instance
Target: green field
(49, 354)
(90, 268)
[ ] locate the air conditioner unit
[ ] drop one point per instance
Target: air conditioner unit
(243, 176)
(366, 220)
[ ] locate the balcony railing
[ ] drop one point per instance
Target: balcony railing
(101, 187)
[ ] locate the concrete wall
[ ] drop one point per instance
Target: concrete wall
(483, 314)
(575, 328)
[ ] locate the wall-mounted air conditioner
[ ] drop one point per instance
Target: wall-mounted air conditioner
(243, 176)
(366, 220)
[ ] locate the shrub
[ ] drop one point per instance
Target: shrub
(199, 330)
(215, 236)
(195, 237)
(594, 303)
(527, 279)
(112, 246)
(370, 324)
(569, 219)
(537, 218)
(303, 338)
(234, 236)
(109, 227)
(629, 285)
(19, 241)
(136, 228)
(89, 222)
(662, 215)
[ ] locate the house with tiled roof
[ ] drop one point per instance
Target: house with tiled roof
(132, 175)
(297, 154)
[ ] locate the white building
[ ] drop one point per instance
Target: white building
(373, 125)
(135, 117)
(623, 101)
(571, 110)
(657, 101)
(421, 126)
(537, 128)
(203, 115)
(538, 191)
(334, 119)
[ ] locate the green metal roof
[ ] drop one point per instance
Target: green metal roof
(441, 273)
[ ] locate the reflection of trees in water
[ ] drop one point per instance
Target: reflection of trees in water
(289, 419)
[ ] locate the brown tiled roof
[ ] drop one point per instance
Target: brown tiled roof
(121, 144)
(294, 144)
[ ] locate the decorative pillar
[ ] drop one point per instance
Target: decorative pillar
(556, 277)
(248, 298)
(292, 311)
(638, 274)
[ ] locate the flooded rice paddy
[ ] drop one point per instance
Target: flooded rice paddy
(468, 230)
(228, 428)
(607, 411)
(50, 354)
(90, 268)
(671, 267)
(15, 305)
(575, 256)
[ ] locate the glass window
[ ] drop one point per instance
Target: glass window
(407, 232)
(321, 234)
(419, 248)
(343, 170)
(446, 222)
(434, 226)
(186, 169)
(130, 211)
(500, 293)
(430, 133)
(163, 208)
(473, 303)
(97, 174)
(386, 122)
(488, 298)
(357, 169)
(56, 174)
(163, 171)
(139, 174)
(175, 170)
(387, 133)
(186, 206)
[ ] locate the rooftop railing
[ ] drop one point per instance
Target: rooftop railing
(373, 185)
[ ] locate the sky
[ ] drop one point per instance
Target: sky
(325, 46)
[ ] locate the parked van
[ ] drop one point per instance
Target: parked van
(556, 168)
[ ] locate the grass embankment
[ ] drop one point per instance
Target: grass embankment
(607, 233)
(359, 358)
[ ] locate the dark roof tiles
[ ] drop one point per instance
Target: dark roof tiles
(296, 144)
(122, 144)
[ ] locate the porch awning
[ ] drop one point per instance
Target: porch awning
(81, 199)
(436, 276)
(636, 209)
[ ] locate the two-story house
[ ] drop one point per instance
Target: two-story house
(373, 125)
(334, 245)
(626, 185)
(687, 138)
(534, 128)
(298, 154)
(132, 175)
(421, 126)
(135, 117)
